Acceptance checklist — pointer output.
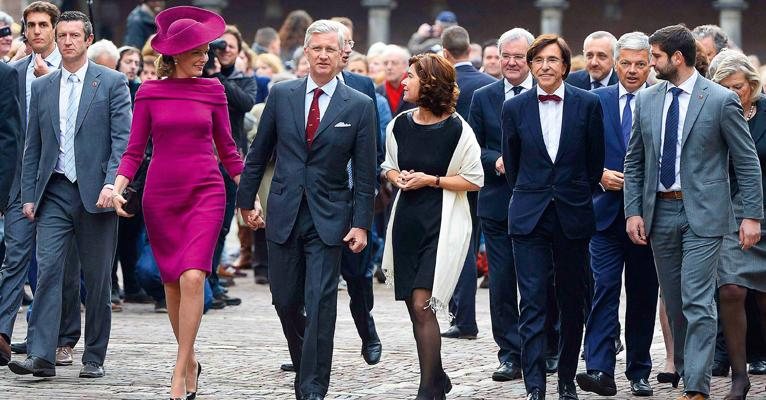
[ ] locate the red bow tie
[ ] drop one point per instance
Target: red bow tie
(546, 97)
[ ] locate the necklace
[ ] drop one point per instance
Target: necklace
(750, 113)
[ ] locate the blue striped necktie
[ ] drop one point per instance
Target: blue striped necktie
(668, 166)
(627, 118)
(67, 141)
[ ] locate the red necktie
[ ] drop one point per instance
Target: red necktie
(545, 97)
(313, 122)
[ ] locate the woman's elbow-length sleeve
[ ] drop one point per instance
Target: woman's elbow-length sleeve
(140, 129)
(224, 143)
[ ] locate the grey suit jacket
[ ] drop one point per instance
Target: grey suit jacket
(101, 134)
(714, 129)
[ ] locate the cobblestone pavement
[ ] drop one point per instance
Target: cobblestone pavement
(242, 347)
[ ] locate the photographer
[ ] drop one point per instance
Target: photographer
(428, 37)
(6, 36)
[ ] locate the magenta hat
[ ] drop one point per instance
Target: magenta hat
(180, 29)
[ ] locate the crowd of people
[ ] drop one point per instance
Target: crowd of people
(561, 173)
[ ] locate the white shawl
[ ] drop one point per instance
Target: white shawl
(455, 228)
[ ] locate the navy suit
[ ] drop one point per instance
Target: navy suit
(582, 79)
(10, 130)
(463, 302)
(551, 219)
(610, 250)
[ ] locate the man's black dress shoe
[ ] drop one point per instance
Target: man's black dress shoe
(567, 391)
(19, 347)
(287, 367)
(507, 371)
(536, 394)
(33, 365)
(720, 368)
(551, 365)
(371, 352)
(669, 377)
(597, 382)
(230, 301)
(5, 351)
(92, 370)
(313, 396)
(641, 388)
(454, 333)
(757, 368)
(217, 304)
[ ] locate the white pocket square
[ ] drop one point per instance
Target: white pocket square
(342, 125)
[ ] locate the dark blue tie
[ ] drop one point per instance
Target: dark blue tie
(627, 118)
(517, 90)
(668, 169)
(596, 84)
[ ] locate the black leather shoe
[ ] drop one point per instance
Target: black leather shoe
(551, 365)
(756, 368)
(92, 370)
(567, 391)
(454, 333)
(507, 371)
(313, 396)
(217, 304)
(33, 365)
(19, 347)
(720, 368)
(371, 352)
(641, 388)
(5, 351)
(193, 395)
(536, 394)
(669, 377)
(230, 301)
(287, 367)
(597, 382)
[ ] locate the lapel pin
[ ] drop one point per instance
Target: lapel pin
(95, 83)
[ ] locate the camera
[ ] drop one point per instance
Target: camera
(218, 44)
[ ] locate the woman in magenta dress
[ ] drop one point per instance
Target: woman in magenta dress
(184, 198)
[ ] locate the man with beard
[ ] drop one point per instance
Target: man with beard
(686, 131)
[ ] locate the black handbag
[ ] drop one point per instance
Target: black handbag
(132, 201)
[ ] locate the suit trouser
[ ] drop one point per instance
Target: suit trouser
(686, 268)
(306, 278)
(543, 254)
(357, 270)
(463, 302)
(610, 251)
(503, 304)
(62, 220)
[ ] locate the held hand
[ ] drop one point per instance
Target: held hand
(417, 180)
(236, 179)
(28, 209)
(424, 29)
(401, 180)
(41, 68)
(612, 180)
(356, 239)
(500, 166)
(749, 233)
(105, 198)
(635, 229)
(118, 202)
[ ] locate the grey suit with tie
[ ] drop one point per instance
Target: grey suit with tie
(66, 212)
(686, 234)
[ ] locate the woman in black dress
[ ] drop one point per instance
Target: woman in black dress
(434, 159)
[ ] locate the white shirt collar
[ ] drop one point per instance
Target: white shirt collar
(80, 73)
(623, 91)
(463, 63)
(604, 82)
(328, 88)
(527, 84)
(688, 85)
(559, 92)
(340, 77)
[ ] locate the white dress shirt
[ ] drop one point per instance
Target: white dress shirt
(463, 63)
(623, 98)
(53, 60)
(683, 105)
(324, 99)
(64, 104)
(604, 82)
(551, 113)
(526, 85)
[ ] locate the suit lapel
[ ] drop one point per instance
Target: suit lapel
(569, 111)
(613, 110)
(533, 119)
(23, 91)
(89, 88)
(657, 107)
(337, 104)
(497, 96)
(697, 100)
(298, 105)
(53, 102)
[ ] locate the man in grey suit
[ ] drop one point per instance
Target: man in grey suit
(79, 121)
(314, 126)
(685, 131)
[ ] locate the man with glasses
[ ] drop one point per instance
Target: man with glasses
(553, 155)
(610, 248)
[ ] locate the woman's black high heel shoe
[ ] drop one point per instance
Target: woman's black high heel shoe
(669, 377)
(193, 395)
(743, 396)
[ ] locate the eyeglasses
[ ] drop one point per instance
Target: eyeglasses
(552, 61)
(350, 43)
(513, 57)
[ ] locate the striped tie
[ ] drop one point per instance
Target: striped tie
(67, 141)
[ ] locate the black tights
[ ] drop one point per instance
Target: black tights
(428, 339)
(732, 301)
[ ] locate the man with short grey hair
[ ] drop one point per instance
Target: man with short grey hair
(105, 53)
(611, 250)
(712, 38)
(395, 63)
(598, 49)
(267, 41)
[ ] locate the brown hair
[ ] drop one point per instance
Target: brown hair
(293, 30)
(345, 21)
(438, 89)
(543, 41)
(455, 40)
(701, 63)
(165, 65)
(234, 31)
(43, 7)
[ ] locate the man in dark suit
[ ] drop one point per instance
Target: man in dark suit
(598, 49)
(66, 187)
(395, 63)
(315, 125)
(10, 130)
(484, 118)
(610, 247)
(553, 153)
(463, 303)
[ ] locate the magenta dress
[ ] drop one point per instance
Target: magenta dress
(184, 196)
